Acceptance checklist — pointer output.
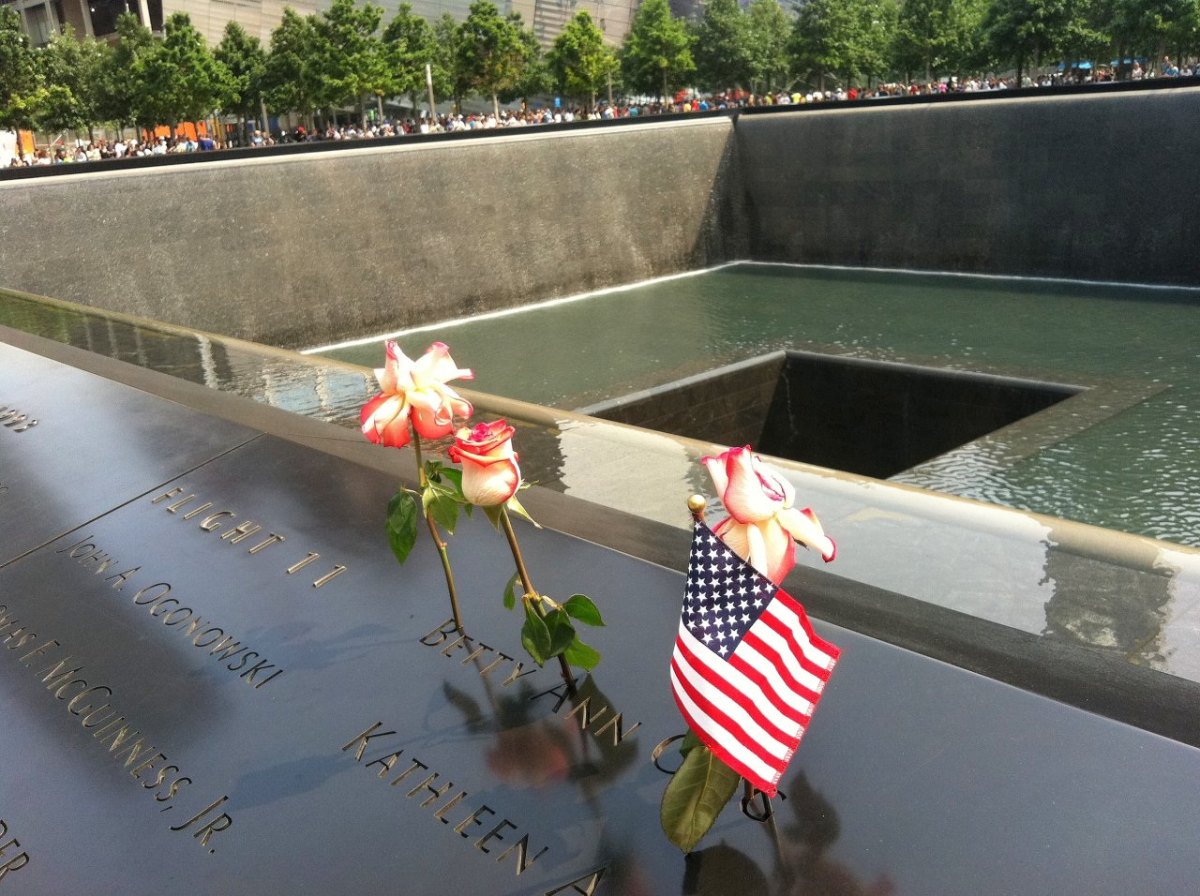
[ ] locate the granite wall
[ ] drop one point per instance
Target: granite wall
(1093, 185)
(310, 248)
(296, 250)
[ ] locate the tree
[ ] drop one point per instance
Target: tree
(657, 54)
(181, 80)
(723, 51)
(769, 27)
(409, 44)
(447, 35)
(349, 55)
(72, 71)
(121, 96)
(1151, 27)
(246, 61)
(492, 55)
(936, 37)
(291, 82)
(21, 86)
(580, 60)
(845, 39)
(1024, 31)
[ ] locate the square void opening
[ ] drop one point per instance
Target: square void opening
(876, 418)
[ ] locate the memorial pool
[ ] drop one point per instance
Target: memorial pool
(1125, 455)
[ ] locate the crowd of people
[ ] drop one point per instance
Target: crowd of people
(102, 148)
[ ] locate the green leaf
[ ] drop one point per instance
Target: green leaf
(695, 797)
(493, 514)
(510, 594)
(516, 507)
(402, 524)
(582, 655)
(562, 633)
(580, 607)
(689, 743)
(535, 636)
(445, 512)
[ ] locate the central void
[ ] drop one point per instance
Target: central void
(1124, 453)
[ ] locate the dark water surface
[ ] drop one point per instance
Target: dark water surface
(1136, 469)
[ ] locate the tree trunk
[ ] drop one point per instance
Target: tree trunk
(496, 106)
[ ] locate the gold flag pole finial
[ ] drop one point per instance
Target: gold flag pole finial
(696, 504)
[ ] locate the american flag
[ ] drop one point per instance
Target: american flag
(748, 669)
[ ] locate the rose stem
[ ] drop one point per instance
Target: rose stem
(530, 592)
(437, 539)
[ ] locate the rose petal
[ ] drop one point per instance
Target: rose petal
(804, 526)
(749, 497)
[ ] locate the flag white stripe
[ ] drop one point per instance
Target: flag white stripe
(815, 654)
(722, 737)
(782, 689)
(767, 741)
(738, 681)
(787, 659)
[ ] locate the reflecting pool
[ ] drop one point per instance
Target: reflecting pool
(1125, 454)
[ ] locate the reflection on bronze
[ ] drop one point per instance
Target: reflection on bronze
(240, 533)
(12, 862)
(263, 545)
(584, 886)
(221, 823)
(433, 793)
(296, 567)
(116, 734)
(332, 574)
(16, 421)
(211, 522)
(199, 510)
(186, 499)
(660, 748)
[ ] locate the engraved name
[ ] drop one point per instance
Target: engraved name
(93, 707)
(464, 820)
(593, 717)
(158, 601)
(10, 858)
(223, 521)
(12, 419)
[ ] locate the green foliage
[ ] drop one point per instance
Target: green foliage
(580, 61)
(73, 72)
(546, 635)
(402, 515)
(849, 40)
(656, 57)
(938, 37)
(581, 608)
(179, 80)
(21, 86)
(246, 61)
(349, 56)
(409, 44)
(492, 54)
(121, 94)
(695, 796)
(723, 50)
(769, 27)
(443, 495)
(292, 79)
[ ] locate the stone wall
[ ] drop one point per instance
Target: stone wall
(297, 250)
(1093, 185)
(310, 248)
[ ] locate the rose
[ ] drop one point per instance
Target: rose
(489, 464)
(762, 523)
(414, 392)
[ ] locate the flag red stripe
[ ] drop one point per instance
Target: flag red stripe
(769, 786)
(769, 692)
(768, 653)
(797, 649)
(830, 650)
(714, 712)
(742, 699)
